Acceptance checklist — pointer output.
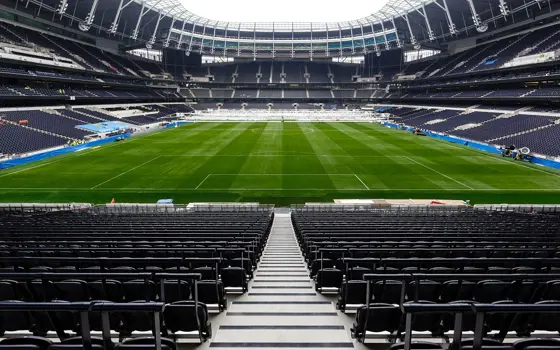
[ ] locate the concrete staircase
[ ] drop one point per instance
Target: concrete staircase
(281, 309)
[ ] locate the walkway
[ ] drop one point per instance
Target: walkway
(281, 309)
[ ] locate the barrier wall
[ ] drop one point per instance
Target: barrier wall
(177, 124)
(24, 160)
(478, 145)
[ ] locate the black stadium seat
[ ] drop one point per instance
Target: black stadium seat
(417, 346)
(535, 344)
(378, 318)
(353, 292)
(182, 316)
(26, 343)
(328, 278)
(234, 277)
(212, 292)
(146, 343)
(76, 343)
(176, 290)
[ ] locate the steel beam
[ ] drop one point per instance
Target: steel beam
(480, 27)
(178, 46)
(450, 24)
(86, 23)
(115, 24)
(152, 40)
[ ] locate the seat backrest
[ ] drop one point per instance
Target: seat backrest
(28, 342)
(525, 344)
(380, 317)
(176, 290)
(74, 347)
(181, 316)
(488, 347)
(145, 343)
(416, 346)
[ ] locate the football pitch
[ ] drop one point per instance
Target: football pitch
(279, 163)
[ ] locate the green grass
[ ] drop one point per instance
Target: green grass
(279, 163)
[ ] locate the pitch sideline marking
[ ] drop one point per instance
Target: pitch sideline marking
(87, 151)
(62, 157)
(279, 174)
(357, 177)
(485, 154)
(124, 189)
(125, 172)
(437, 172)
(201, 182)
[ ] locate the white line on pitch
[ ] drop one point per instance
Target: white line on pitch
(357, 177)
(437, 172)
(201, 182)
(140, 189)
(485, 154)
(280, 174)
(125, 172)
(62, 157)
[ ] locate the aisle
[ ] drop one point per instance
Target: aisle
(282, 309)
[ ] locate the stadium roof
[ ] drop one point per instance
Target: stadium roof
(236, 14)
(384, 25)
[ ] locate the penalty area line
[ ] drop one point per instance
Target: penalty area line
(437, 172)
(158, 189)
(201, 182)
(357, 177)
(125, 172)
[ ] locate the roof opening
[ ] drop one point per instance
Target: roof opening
(284, 11)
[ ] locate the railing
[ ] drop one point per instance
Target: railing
(479, 310)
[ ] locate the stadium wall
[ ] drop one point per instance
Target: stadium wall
(36, 157)
(478, 145)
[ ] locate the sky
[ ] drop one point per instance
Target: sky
(283, 10)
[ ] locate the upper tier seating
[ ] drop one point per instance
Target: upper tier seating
(318, 72)
(90, 57)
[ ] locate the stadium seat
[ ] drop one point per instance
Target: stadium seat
(491, 291)
(378, 318)
(72, 290)
(76, 343)
(352, 292)
(26, 343)
(139, 290)
(428, 322)
(328, 278)
(176, 290)
(357, 273)
(416, 345)
(212, 293)
(534, 344)
(182, 316)
(387, 291)
(111, 290)
(234, 277)
(15, 321)
(424, 290)
(146, 343)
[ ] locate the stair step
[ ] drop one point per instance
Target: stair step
(282, 309)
